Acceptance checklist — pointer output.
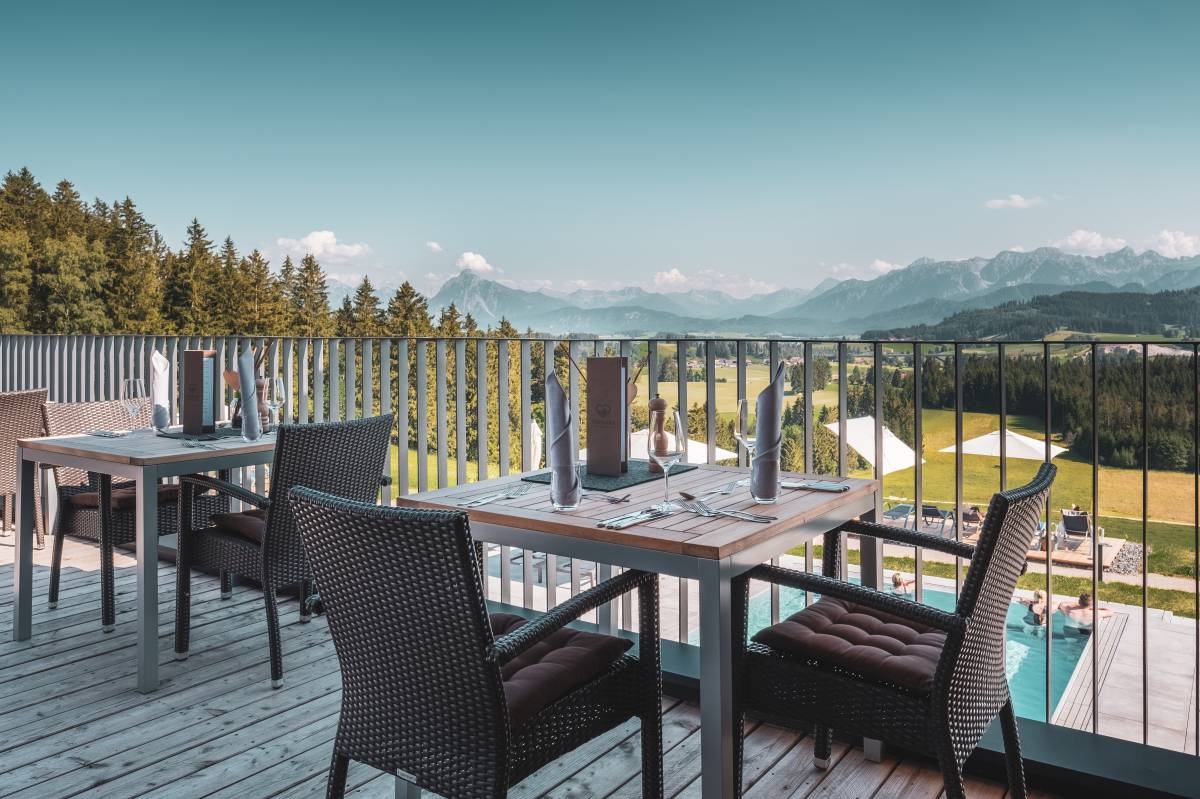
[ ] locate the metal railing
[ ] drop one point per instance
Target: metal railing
(465, 407)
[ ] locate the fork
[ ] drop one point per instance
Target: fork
(703, 509)
(511, 493)
(192, 443)
(608, 498)
(728, 488)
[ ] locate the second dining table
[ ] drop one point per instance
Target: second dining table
(710, 550)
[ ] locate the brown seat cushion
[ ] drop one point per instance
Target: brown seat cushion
(552, 668)
(868, 642)
(125, 498)
(251, 524)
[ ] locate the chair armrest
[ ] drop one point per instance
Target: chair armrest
(509, 646)
(905, 609)
(911, 537)
(203, 481)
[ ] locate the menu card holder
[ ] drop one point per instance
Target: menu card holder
(607, 416)
(199, 392)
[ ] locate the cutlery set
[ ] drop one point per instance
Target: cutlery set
(510, 493)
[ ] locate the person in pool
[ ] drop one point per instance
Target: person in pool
(902, 584)
(1038, 609)
(1081, 615)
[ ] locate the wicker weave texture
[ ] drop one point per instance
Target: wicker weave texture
(20, 417)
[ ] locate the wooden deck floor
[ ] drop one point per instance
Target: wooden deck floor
(72, 724)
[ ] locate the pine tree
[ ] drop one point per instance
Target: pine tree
(186, 292)
(287, 285)
(16, 280)
(67, 212)
(266, 309)
(227, 301)
(134, 293)
(72, 281)
(366, 316)
(343, 319)
(407, 313)
(310, 300)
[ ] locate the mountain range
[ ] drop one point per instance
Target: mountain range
(924, 292)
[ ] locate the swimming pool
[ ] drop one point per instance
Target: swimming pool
(1025, 657)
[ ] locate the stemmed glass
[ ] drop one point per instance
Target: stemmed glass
(665, 447)
(276, 394)
(133, 398)
(745, 430)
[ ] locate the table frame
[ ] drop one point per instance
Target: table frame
(146, 472)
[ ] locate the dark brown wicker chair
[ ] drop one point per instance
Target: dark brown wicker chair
(446, 697)
(20, 417)
(92, 507)
(871, 664)
(262, 544)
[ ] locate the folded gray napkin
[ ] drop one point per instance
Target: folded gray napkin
(764, 469)
(560, 455)
(251, 424)
(160, 389)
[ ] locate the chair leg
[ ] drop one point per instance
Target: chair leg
(183, 597)
(1012, 752)
(276, 645)
(822, 747)
(56, 565)
(335, 788)
(951, 771)
(306, 590)
(652, 754)
(108, 590)
(226, 585)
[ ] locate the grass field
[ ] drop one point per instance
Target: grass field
(1171, 534)
(757, 377)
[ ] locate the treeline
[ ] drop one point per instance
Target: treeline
(1175, 313)
(70, 266)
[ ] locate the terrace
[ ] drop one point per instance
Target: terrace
(1119, 705)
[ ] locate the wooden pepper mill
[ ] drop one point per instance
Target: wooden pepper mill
(658, 433)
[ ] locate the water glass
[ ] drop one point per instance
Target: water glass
(276, 398)
(666, 439)
(133, 398)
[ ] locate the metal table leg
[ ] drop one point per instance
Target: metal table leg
(23, 565)
(716, 686)
(147, 579)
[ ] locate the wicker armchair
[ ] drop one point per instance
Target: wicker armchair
(92, 507)
(874, 665)
(446, 697)
(262, 544)
(20, 417)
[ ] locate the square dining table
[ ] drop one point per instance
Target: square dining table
(144, 457)
(710, 550)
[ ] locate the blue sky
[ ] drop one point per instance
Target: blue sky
(677, 144)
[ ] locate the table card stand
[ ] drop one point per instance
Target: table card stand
(607, 416)
(199, 391)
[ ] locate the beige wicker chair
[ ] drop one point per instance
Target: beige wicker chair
(20, 417)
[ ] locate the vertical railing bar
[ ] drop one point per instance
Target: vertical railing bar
(842, 447)
(1145, 560)
(772, 366)
(681, 384)
(350, 372)
(1002, 374)
(502, 409)
(302, 414)
(651, 368)
(918, 472)
(549, 350)
(368, 377)
(460, 411)
(809, 467)
(1049, 554)
(335, 379)
(402, 416)
(575, 363)
(710, 401)
(385, 408)
(319, 380)
(422, 400)
(482, 406)
(440, 377)
(958, 461)
(524, 370)
(1095, 544)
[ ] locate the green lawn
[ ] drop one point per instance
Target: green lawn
(1171, 535)
(431, 461)
(757, 377)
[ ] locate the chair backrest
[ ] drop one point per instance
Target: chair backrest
(344, 459)
(20, 417)
(405, 603)
(931, 511)
(1076, 522)
(77, 418)
(970, 684)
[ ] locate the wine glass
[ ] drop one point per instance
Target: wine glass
(133, 398)
(665, 447)
(275, 399)
(745, 430)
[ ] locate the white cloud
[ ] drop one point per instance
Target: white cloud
(1014, 201)
(434, 281)
(1089, 242)
(322, 244)
(530, 284)
(672, 278)
(1176, 244)
(882, 267)
(433, 246)
(877, 267)
(475, 263)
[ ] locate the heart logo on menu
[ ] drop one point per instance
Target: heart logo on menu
(604, 409)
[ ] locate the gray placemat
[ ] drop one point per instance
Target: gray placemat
(639, 472)
(219, 433)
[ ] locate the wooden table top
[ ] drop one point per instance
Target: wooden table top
(681, 533)
(142, 448)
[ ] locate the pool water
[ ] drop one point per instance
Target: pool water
(1025, 657)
